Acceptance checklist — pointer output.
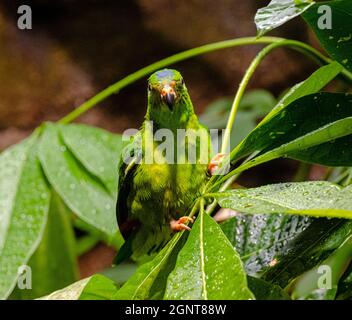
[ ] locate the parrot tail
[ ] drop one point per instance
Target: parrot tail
(125, 251)
(143, 244)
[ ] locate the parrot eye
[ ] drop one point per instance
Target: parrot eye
(182, 82)
(150, 87)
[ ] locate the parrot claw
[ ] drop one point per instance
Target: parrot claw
(179, 225)
(214, 163)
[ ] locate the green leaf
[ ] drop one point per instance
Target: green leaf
(278, 12)
(345, 286)
(259, 101)
(216, 114)
(96, 287)
(254, 105)
(260, 238)
(299, 134)
(114, 240)
(24, 204)
(305, 147)
(207, 267)
(120, 273)
(321, 282)
(336, 37)
(313, 198)
(72, 292)
(157, 291)
(266, 291)
(245, 122)
(53, 264)
(308, 249)
(86, 243)
(99, 287)
(97, 149)
(82, 192)
(260, 137)
(141, 285)
(316, 82)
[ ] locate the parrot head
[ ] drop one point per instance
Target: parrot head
(166, 87)
(168, 99)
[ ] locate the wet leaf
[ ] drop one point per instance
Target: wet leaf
(141, 285)
(120, 273)
(321, 282)
(312, 198)
(53, 264)
(97, 287)
(83, 193)
(113, 240)
(24, 204)
(278, 12)
(98, 150)
(345, 286)
(308, 249)
(314, 83)
(297, 133)
(260, 138)
(207, 267)
(72, 292)
(260, 238)
(331, 22)
(266, 291)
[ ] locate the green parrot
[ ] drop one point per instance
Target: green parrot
(154, 196)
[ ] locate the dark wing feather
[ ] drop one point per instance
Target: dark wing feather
(126, 172)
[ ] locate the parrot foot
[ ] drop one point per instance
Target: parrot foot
(214, 163)
(179, 225)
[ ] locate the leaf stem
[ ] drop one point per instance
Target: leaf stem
(227, 184)
(133, 77)
(195, 208)
(293, 44)
(241, 89)
(296, 45)
(201, 249)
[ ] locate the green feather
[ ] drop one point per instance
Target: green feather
(150, 195)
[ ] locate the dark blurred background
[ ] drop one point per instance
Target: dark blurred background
(78, 47)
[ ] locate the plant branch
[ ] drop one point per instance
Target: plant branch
(241, 89)
(195, 208)
(293, 44)
(116, 87)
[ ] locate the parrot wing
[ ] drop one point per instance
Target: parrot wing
(129, 161)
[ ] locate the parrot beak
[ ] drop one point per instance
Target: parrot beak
(168, 94)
